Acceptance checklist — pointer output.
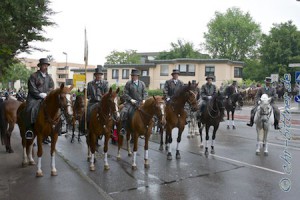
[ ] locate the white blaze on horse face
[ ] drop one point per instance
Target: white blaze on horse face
(162, 109)
(69, 105)
(116, 106)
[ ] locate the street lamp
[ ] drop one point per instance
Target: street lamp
(66, 58)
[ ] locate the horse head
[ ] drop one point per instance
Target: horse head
(191, 96)
(113, 104)
(265, 108)
(237, 97)
(159, 107)
(65, 101)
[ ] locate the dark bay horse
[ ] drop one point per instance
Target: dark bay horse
(101, 123)
(141, 124)
(79, 116)
(57, 103)
(176, 115)
(212, 116)
(230, 105)
(8, 119)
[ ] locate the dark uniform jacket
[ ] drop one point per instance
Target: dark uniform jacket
(37, 84)
(271, 92)
(207, 90)
(171, 88)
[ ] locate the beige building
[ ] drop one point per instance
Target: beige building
(155, 72)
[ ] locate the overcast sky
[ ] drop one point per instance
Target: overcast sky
(145, 25)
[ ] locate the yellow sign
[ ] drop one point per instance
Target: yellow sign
(79, 81)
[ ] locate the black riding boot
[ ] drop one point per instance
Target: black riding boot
(276, 125)
(123, 129)
(251, 121)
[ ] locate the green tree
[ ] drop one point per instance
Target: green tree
(121, 57)
(233, 35)
(14, 72)
(181, 49)
(21, 22)
(280, 47)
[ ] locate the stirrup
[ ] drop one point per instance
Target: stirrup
(123, 131)
(29, 135)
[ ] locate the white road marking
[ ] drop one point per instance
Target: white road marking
(247, 164)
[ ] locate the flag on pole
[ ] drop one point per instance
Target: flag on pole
(86, 51)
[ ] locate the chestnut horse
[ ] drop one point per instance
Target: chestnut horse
(57, 103)
(78, 115)
(8, 119)
(101, 123)
(176, 115)
(141, 124)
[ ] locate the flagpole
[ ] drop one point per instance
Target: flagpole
(85, 72)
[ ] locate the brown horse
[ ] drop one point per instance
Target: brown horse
(57, 103)
(141, 124)
(8, 119)
(101, 123)
(230, 106)
(78, 115)
(176, 115)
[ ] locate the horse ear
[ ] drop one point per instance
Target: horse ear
(72, 86)
(110, 90)
(154, 98)
(189, 83)
(118, 90)
(62, 86)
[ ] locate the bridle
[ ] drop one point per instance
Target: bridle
(217, 111)
(193, 100)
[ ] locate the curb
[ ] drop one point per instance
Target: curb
(104, 194)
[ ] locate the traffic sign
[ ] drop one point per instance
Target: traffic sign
(297, 76)
(297, 99)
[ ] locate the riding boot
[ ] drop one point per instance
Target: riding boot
(251, 121)
(276, 125)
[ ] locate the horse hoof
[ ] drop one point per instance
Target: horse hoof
(31, 162)
(24, 164)
(266, 153)
(134, 167)
(161, 148)
(178, 156)
(53, 173)
(92, 168)
(212, 151)
(169, 156)
(147, 166)
(206, 151)
(233, 127)
(72, 141)
(106, 167)
(228, 127)
(118, 157)
(39, 174)
(257, 153)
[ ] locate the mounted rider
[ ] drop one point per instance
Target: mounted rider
(172, 85)
(206, 92)
(267, 89)
(230, 90)
(95, 90)
(134, 94)
(40, 84)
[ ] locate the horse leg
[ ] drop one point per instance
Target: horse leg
(232, 117)
(106, 165)
(128, 144)
(79, 130)
(190, 131)
(200, 133)
(39, 172)
(166, 141)
(169, 140)
(206, 139)
(135, 144)
(120, 144)
(53, 142)
(213, 139)
(259, 143)
(161, 146)
(146, 155)
(73, 130)
(25, 158)
(196, 126)
(178, 142)
(265, 144)
(9, 132)
(228, 119)
(92, 145)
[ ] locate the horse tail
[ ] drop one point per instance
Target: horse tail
(3, 124)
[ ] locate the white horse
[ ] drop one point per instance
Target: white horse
(263, 119)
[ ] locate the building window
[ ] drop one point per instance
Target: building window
(210, 71)
(186, 69)
(238, 72)
(125, 74)
(115, 74)
(145, 73)
(164, 70)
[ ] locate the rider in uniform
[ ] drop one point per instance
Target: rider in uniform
(172, 85)
(206, 92)
(40, 84)
(134, 93)
(267, 89)
(95, 90)
(231, 89)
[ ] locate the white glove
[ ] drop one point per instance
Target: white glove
(144, 101)
(133, 101)
(209, 97)
(43, 95)
(168, 99)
